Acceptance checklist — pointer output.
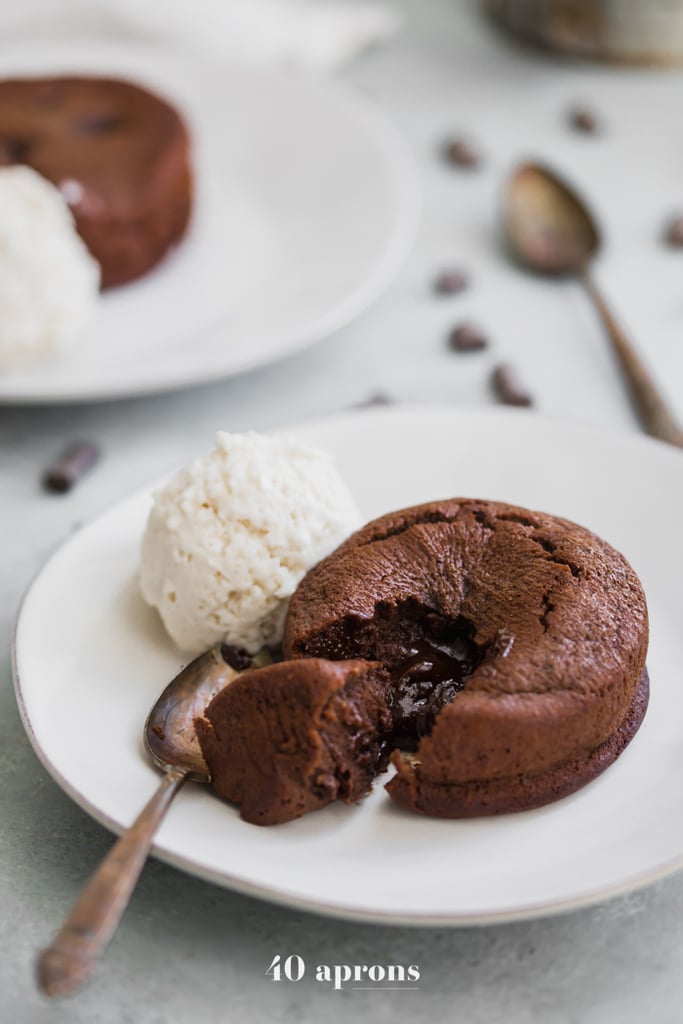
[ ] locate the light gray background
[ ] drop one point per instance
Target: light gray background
(187, 951)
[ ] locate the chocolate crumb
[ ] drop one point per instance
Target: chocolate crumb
(674, 231)
(236, 657)
(461, 153)
(467, 337)
(451, 282)
(72, 464)
(507, 386)
(584, 120)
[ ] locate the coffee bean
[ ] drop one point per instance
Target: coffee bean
(450, 282)
(507, 386)
(467, 338)
(68, 469)
(377, 398)
(674, 231)
(236, 657)
(461, 153)
(584, 120)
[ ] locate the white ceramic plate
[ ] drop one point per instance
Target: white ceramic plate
(91, 659)
(306, 205)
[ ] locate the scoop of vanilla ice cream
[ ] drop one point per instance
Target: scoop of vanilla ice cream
(230, 537)
(49, 282)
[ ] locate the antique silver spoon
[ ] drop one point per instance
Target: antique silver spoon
(550, 230)
(170, 738)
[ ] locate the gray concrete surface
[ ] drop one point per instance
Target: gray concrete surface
(186, 950)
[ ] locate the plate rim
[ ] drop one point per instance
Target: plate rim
(276, 894)
(387, 140)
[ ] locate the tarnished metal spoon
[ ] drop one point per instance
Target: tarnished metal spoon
(170, 738)
(550, 230)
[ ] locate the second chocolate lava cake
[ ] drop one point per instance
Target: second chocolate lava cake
(120, 156)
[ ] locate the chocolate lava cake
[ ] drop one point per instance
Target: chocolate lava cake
(502, 661)
(118, 153)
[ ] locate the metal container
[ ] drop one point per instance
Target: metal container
(632, 31)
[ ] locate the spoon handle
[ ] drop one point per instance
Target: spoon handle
(66, 963)
(650, 405)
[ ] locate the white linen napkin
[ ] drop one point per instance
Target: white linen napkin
(314, 34)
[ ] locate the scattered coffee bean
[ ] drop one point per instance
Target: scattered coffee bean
(507, 386)
(467, 338)
(450, 282)
(236, 657)
(674, 231)
(584, 120)
(376, 399)
(68, 469)
(462, 153)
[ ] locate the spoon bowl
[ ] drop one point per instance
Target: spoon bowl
(547, 227)
(169, 734)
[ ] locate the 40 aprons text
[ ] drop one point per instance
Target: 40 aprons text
(293, 968)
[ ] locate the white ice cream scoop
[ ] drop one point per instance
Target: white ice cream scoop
(229, 538)
(49, 282)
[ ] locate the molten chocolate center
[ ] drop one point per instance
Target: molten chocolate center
(428, 656)
(427, 677)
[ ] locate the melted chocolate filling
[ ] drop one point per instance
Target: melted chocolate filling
(429, 658)
(427, 674)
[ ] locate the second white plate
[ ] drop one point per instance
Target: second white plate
(91, 658)
(306, 206)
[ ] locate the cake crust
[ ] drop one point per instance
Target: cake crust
(522, 792)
